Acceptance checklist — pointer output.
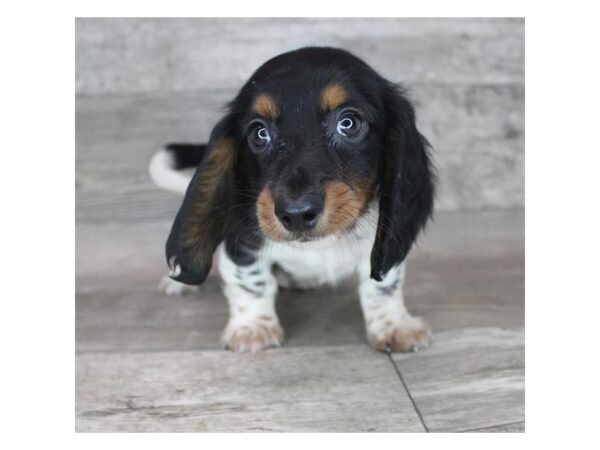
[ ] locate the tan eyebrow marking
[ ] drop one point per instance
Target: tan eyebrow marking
(333, 96)
(265, 105)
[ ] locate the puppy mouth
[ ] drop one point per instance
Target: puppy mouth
(306, 236)
(283, 235)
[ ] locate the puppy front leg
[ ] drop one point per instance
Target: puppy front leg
(250, 290)
(389, 325)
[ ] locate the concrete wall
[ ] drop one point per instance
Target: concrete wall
(141, 82)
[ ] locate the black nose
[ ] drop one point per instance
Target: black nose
(299, 214)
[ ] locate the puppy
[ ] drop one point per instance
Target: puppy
(315, 173)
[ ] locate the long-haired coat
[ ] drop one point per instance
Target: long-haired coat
(315, 173)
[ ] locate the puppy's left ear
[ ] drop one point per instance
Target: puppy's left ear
(205, 215)
(407, 188)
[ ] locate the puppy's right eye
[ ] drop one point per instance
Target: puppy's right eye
(259, 137)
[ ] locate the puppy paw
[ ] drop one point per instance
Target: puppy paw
(175, 288)
(408, 334)
(253, 336)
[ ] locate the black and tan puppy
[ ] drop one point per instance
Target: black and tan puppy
(316, 172)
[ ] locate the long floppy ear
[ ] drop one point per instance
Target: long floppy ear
(205, 215)
(407, 188)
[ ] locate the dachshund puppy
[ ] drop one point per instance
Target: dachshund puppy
(315, 173)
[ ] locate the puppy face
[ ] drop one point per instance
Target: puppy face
(312, 138)
(316, 143)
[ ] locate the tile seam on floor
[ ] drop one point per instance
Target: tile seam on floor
(412, 400)
(473, 430)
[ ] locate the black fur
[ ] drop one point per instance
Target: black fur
(186, 155)
(407, 187)
(304, 153)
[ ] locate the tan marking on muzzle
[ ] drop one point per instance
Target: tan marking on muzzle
(267, 220)
(343, 206)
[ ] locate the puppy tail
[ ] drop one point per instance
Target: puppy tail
(172, 167)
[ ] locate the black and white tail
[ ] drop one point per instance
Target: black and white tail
(172, 167)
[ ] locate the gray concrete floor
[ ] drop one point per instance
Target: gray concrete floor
(148, 362)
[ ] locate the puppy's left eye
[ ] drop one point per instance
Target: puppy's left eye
(349, 125)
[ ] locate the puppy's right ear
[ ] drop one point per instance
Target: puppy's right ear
(205, 215)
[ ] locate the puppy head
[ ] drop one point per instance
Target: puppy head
(312, 138)
(313, 124)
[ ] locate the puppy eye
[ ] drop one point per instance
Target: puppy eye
(263, 134)
(349, 125)
(259, 137)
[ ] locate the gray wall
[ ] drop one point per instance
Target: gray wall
(140, 83)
